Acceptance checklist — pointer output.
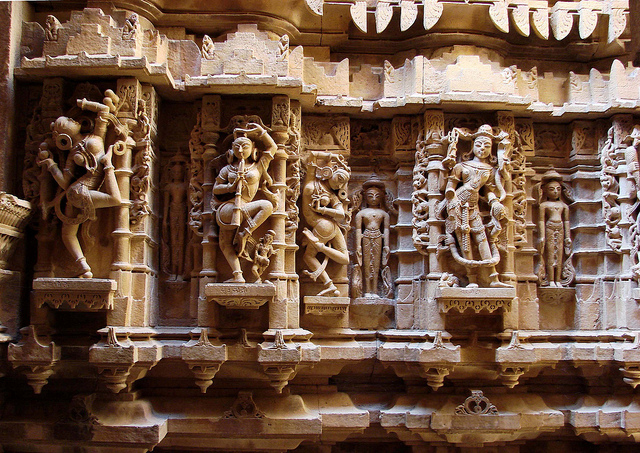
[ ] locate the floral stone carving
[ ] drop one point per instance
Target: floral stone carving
(476, 404)
(477, 181)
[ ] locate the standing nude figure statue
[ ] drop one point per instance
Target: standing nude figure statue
(87, 170)
(238, 212)
(473, 186)
(174, 220)
(324, 207)
(554, 231)
(372, 240)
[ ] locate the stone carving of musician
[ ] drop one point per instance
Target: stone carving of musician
(87, 180)
(325, 209)
(238, 212)
(474, 189)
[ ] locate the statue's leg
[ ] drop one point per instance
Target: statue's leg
(111, 196)
(69, 235)
(226, 245)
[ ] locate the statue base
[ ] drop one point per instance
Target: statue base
(242, 296)
(476, 299)
(326, 306)
(77, 294)
(373, 313)
(555, 295)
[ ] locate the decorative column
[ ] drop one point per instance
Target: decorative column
(292, 192)
(278, 309)
(428, 189)
(209, 135)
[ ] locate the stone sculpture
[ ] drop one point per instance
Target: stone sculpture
(325, 209)
(238, 212)
(208, 48)
(52, 26)
(130, 27)
(87, 181)
(475, 184)
(174, 220)
(262, 254)
(372, 228)
(554, 231)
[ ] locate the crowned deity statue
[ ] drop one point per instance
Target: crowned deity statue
(86, 180)
(473, 204)
(239, 210)
(325, 209)
(554, 230)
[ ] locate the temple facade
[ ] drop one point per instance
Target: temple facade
(320, 226)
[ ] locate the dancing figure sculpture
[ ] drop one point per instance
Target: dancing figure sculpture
(325, 209)
(87, 170)
(238, 212)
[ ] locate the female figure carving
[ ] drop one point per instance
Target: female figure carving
(473, 186)
(238, 212)
(324, 201)
(554, 231)
(88, 168)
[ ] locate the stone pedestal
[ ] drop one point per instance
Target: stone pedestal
(79, 294)
(326, 312)
(371, 313)
(477, 299)
(245, 296)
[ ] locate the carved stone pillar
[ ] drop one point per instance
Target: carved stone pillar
(292, 192)
(209, 127)
(428, 188)
(278, 309)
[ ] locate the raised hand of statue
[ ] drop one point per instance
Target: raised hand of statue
(253, 130)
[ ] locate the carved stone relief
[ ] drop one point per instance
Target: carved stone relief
(325, 207)
(554, 231)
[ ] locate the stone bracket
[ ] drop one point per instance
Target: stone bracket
(432, 361)
(78, 294)
(204, 359)
(279, 361)
(38, 358)
(120, 363)
(477, 299)
(245, 296)
(326, 306)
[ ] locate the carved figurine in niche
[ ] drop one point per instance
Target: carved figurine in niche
(475, 215)
(208, 48)
(130, 27)
(87, 181)
(238, 212)
(372, 228)
(52, 26)
(174, 221)
(325, 209)
(554, 230)
(262, 254)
